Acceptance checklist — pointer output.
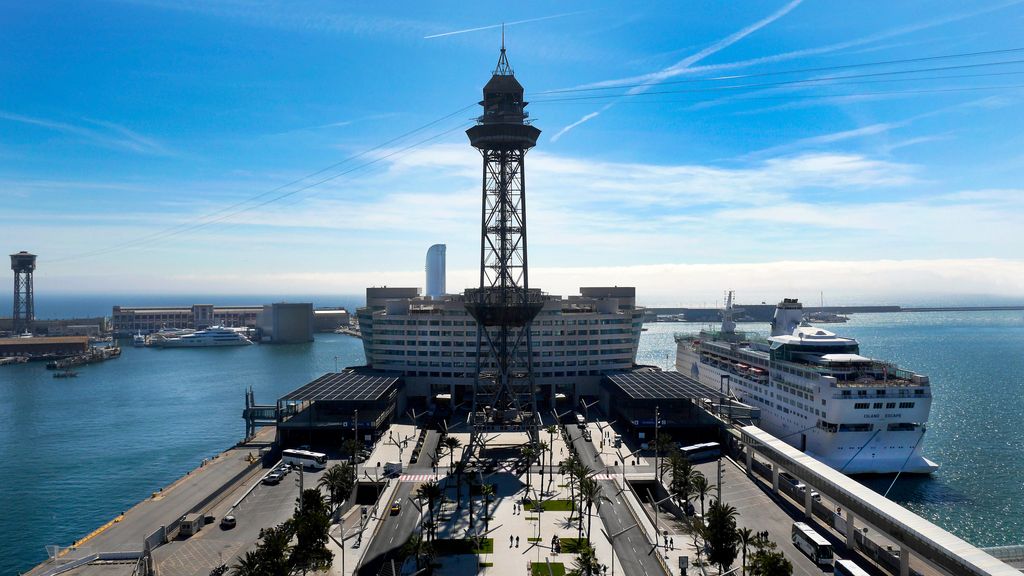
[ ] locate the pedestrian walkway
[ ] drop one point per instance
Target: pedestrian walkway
(520, 535)
(420, 477)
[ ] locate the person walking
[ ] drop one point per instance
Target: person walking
(517, 541)
(509, 540)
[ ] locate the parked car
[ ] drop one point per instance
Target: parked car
(272, 479)
(227, 523)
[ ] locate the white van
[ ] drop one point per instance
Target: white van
(392, 468)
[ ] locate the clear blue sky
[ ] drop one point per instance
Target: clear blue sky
(122, 120)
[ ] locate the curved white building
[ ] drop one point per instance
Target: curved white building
(436, 270)
(432, 342)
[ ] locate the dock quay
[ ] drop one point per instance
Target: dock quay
(350, 330)
(93, 356)
(147, 532)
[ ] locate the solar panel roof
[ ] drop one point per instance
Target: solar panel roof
(346, 385)
(651, 385)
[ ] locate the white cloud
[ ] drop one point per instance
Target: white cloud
(110, 135)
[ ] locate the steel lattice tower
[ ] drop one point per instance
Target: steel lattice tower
(504, 394)
(24, 315)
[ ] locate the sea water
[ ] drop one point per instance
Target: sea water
(76, 452)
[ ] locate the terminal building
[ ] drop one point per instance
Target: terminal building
(352, 404)
(128, 320)
(287, 323)
(330, 319)
(44, 346)
(431, 342)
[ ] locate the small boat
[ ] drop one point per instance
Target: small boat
(138, 340)
(65, 374)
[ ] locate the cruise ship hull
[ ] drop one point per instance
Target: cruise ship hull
(173, 343)
(876, 452)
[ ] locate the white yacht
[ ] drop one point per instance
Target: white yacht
(212, 336)
(816, 392)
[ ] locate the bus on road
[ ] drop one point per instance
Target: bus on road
(705, 451)
(812, 544)
(305, 459)
(848, 568)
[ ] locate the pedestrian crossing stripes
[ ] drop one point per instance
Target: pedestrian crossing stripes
(419, 477)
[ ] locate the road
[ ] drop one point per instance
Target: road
(632, 549)
(265, 506)
(391, 536)
(397, 529)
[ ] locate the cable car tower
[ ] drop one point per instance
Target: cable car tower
(23, 264)
(504, 393)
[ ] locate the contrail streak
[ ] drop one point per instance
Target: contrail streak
(685, 63)
(492, 26)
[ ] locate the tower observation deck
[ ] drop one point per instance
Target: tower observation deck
(504, 306)
(23, 264)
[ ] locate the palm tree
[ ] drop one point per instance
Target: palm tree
(551, 430)
(702, 487)
(470, 483)
(575, 470)
(487, 490)
(275, 548)
(722, 536)
(585, 563)
(351, 447)
(566, 470)
(528, 453)
(542, 448)
(682, 475)
(430, 491)
(662, 446)
(590, 491)
(248, 565)
(338, 481)
(452, 444)
(746, 539)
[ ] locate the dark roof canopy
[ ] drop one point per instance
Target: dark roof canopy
(341, 386)
(658, 385)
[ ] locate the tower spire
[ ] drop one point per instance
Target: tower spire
(503, 68)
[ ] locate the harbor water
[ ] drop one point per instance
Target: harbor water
(78, 451)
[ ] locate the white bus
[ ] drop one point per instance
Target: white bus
(703, 451)
(305, 459)
(848, 568)
(812, 544)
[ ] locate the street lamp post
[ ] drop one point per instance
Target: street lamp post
(611, 542)
(622, 461)
(656, 505)
(657, 419)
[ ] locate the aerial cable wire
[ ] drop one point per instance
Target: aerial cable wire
(812, 82)
(747, 97)
(209, 218)
(783, 72)
(199, 225)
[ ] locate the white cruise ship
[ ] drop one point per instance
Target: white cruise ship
(816, 392)
(212, 336)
